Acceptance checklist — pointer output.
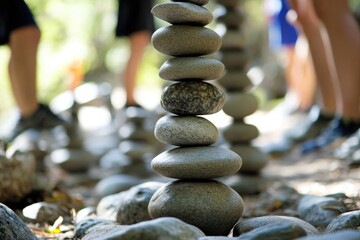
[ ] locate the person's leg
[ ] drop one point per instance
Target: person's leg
(23, 44)
(138, 43)
(344, 36)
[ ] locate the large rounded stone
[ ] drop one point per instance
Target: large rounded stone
(196, 163)
(182, 40)
(191, 68)
(12, 227)
(348, 220)
(235, 80)
(240, 132)
(198, 2)
(239, 105)
(209, 205)
(253, 159)
(192, 98)
(186, 131)
(182, 13)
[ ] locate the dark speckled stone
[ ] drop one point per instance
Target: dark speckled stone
(192, 98)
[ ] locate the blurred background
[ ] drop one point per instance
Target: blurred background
(78, 44)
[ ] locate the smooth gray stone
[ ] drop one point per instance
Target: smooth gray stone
(114, 159)
(133, 207)
(182, 13)
(253, 159)
(182, 40)
(192, 98)
(246, 225)
(73, 160)
(186, 131)
(160, 229)
(233, 39)
(229, 3)
(235, 80)
(240, 132)
(209, 205)
(198, 2)
(234, 59)
(239, 105)
(90, 225)
(230, 17)
(115, 184)
(276, 231)
(196, 163)
(12, 227)
(191, 68)
(42, 212)
(246, 184)
(319, 211)
(341, 235)
(348, 220)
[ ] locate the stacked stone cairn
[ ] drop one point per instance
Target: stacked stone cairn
(240, 101)
(195, 197)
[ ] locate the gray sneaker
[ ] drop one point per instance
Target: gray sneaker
(42, 119)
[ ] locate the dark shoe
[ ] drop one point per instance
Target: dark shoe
(42, 119)
(336, 129)
(314, 125)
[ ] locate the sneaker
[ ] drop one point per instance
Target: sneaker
(42, 119)
(336, 129)
(313, 127)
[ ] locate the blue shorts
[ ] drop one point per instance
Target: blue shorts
(134, 16)
(281, 32)
(13, 14)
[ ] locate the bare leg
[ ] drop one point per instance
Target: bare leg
(324, 66)
(22, 68)
(138, 42)
(344, 35)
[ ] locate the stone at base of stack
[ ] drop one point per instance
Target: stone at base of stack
(196, 198)
(240, 101)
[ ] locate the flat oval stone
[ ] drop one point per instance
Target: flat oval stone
(240, 132)
(182, 40)
(247, 184)
(198, 2)
(115, 184)
(234, 59)
(192, 98)
(186, 131)
(233, 39)
(239, 105)
(196, 163)
(209, 205)
(235, 80)
(183, 68)
(253, 159)
(278, 231)
(182, 13)
(231, 18)
(250, 224)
